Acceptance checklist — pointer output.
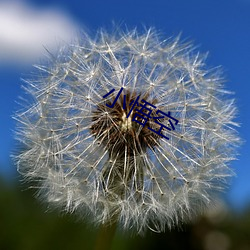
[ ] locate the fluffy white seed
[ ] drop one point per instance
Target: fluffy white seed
(90, 158)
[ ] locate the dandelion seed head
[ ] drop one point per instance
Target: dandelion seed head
(91, 158)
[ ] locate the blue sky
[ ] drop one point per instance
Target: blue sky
(221, 27)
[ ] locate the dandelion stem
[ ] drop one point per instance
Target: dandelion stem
(105, 236)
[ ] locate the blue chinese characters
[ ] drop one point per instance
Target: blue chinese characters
(144, 113)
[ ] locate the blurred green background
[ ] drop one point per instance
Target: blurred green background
(27, 225)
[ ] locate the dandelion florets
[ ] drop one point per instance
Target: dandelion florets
(148, 166)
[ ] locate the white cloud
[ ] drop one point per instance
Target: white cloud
(25, 31)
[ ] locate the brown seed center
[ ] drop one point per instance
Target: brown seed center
(115, 131)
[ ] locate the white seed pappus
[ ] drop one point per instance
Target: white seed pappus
(90, 159)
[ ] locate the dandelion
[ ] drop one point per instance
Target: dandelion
(99, 139)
